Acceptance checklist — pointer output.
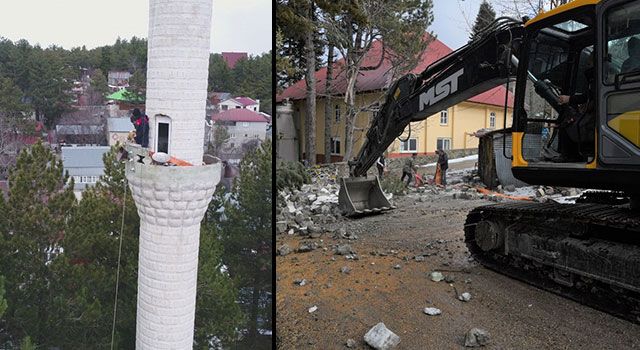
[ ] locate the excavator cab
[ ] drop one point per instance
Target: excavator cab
(586, 53)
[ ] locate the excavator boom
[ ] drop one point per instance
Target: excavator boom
(481, 65)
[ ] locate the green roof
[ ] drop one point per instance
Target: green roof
(125, 96)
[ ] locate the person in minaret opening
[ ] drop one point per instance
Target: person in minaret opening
(141, 123)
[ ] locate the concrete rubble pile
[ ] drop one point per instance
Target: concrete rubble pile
(311, 209)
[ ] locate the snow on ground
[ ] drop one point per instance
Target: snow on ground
(455, 160)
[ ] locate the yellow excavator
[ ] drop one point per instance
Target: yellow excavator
(576, 123)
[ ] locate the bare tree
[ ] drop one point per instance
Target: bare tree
(401, 24)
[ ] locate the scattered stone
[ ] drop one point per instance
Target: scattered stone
(300, 282)
(344, 249)
(436, 276)
(381, 338)
(313, 309)
(397, 266)
(284, 250)
(303, 248)
(351, 343)
(345, 269)
(549, 191)
(281, 226)
(432, 311)
(510, 188)
(476, 337)
(464, 296)
(419, 258)
(449, 278)
(540, 192)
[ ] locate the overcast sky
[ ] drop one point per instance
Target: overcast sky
(237, 25)
(453, 19)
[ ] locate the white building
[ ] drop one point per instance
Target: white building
(118, 130)
(240, 103)
(242, 125)
(84, 164)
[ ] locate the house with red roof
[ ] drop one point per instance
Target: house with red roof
(232, 58)
(451, 128)
(243, 125)
(240, 102)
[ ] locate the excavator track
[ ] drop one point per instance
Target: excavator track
(586, 252)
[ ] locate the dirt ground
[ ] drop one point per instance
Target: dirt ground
(517, 315)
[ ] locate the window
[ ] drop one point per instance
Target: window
(245, 124)
(225, 107)
(337, 113)
(623, 41)
(335, 145)
(163, 137)
(443, 143)
(410, 145)
(255, 109)
(444, 117)
(238, 107)
(492, 120)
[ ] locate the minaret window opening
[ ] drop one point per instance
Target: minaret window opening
(163, 137)
(163, 123)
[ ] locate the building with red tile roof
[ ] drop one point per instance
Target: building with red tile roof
(232, 58)
(243, 125)
(448, 129)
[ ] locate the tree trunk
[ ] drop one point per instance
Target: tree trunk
(310, 115)
(328, 107)
(352, 76)
(253, 323)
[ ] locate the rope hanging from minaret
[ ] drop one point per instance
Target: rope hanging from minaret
(115, 302)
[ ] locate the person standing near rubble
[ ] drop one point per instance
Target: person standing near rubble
(409, 168)
(141, 123)
(443, 165)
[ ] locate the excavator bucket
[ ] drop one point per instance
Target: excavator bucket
(362, 196)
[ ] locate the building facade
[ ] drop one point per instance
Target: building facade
(242, 125)
(447, 129)
(118, 130)
(84, 164)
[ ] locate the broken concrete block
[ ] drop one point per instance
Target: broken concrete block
(464, 296)
(476, 337)
(381, 338)
(351, 343)
(344, 249)
(432, 311)
(436, 276)
(281, 226)
(284, 250)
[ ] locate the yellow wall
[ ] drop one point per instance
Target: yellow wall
(337, 129)
(464, 118)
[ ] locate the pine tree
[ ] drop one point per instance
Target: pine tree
(485, 16)
(40, 202)
(3, 301)
(247, 236)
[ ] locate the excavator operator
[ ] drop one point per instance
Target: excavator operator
(577, 131)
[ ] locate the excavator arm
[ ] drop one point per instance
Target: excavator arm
(484, 63)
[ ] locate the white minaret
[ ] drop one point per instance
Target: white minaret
(172, 200)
